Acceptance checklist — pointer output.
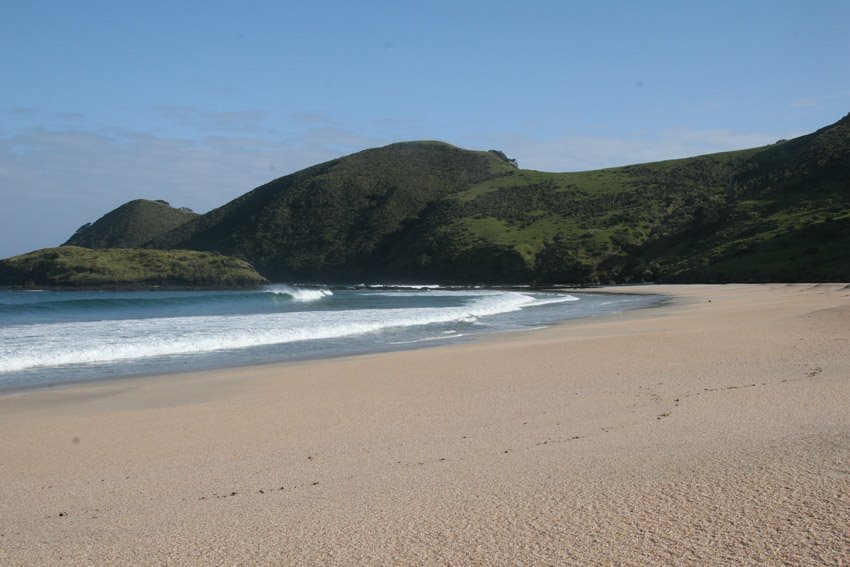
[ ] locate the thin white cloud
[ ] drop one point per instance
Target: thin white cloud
(814, 102)
(53, 181)
(313, 118)
(204, 121)
(818, 102)
(24, 111)
(578, 153)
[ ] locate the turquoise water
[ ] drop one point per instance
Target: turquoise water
(55, 337)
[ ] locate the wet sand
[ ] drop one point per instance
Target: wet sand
(714, 430)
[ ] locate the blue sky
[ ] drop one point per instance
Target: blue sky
(199, 102)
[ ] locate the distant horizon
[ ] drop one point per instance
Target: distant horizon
(196, 104)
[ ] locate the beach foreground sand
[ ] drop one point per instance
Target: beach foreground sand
(714, 430)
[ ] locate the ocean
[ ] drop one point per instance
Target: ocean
(49, 338)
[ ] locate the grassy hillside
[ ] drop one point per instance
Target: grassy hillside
(431, 211)
(130, 225)
(72, 266)
(329, 221)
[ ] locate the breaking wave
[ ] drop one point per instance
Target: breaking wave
(24, 347)
(302, 294)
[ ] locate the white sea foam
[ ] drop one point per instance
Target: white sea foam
(402, 286)
(49, 345)
(549, 300)
(302, 294)
(425, 340)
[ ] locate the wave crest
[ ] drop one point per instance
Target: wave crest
(98, 342)
(301, 294)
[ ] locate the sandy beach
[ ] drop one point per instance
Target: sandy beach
(713, 430)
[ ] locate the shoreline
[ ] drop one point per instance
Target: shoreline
(693, 433)
(202, 367)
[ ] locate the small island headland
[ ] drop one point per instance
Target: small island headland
(74, 267)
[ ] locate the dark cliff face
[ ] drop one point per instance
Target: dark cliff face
(428, 211)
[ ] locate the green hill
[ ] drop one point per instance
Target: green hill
(76, 267)
(332, 221)
(130, 225)
(429, 211)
